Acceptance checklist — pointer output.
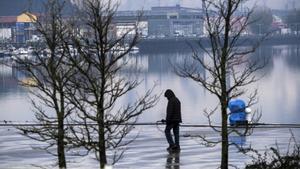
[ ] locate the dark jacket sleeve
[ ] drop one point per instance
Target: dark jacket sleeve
(174, 111)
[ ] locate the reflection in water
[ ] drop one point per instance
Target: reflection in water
(263, 55)
(237, 140)
(9, 77)
(14, 102)
(7, 81)
(173, 160)
(293, 57)
(279, 91)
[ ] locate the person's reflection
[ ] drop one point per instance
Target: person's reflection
(173, 160)
(238, 140)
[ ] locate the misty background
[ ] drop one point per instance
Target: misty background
(15, 7)
(146, 4)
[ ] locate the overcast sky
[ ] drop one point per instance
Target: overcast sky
(146, 4)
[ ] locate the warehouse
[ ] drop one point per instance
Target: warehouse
(17, 29)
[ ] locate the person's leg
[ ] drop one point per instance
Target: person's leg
(176, 134)
(168, 134)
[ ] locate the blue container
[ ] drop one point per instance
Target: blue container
(237, 112)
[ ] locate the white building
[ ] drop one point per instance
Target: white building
(5, 33)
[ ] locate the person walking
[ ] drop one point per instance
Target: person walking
(173, 118)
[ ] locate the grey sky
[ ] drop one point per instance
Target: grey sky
(146, 4)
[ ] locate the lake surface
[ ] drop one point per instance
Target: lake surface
(279, 96)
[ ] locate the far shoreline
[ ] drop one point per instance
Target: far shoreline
(185, 44)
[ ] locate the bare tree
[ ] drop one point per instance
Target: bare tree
(227, 65)
(101, 82)
(49, 75)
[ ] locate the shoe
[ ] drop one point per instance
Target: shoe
(173, 148)
(170, 148)
(176, 148)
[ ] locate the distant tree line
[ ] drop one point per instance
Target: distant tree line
(293, 19)
(261, 20)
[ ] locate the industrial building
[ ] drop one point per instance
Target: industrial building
(159, 22)
(175, 21)
(17, 29)
(166, 21)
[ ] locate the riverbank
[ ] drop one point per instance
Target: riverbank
(179, 44)
(187, 44)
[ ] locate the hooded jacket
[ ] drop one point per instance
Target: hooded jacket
(173, 108)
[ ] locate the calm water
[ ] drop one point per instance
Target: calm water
(279, 96)
(279, 89)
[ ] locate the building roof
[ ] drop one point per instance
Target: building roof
(161, 10)
(8, 19)
(176, 8)
(24, 17)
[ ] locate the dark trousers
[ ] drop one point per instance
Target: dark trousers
(175, 127)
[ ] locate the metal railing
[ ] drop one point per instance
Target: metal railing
(158, 123)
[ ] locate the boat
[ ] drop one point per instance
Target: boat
(4, 53)
(1, 53)
(125, 48)
(134, 50)
(23, 53)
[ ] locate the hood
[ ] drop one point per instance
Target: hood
(169, 94)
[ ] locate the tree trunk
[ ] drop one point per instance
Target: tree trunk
(224, 160)
(102, 148)
(224, 94)
(60, 144)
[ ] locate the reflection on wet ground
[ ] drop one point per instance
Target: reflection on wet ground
(147, 151)
(173, 160)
